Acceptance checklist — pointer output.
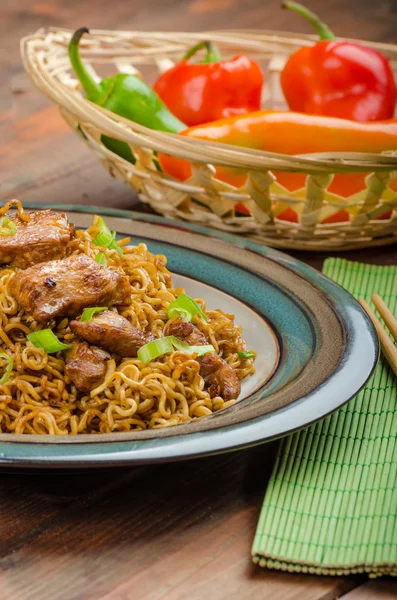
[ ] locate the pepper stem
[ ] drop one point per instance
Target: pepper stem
(91, 87)
(212, 55)
(321, 28)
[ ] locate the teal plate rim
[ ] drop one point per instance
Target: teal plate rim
(362, 348)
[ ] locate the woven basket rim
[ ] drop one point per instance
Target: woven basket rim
(223, 34)
(195, 150)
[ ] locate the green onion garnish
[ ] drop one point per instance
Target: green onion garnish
(8, 370)
(101, 259)
(114, 246)
(105, 238)
(166, 345)
(47, 340)
(199, 350)
(7, 227)
(154, 349)
(88, 313)
(245, 355)
(184, 306)
(184, 347)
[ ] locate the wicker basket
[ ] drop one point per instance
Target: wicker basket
(204, 199)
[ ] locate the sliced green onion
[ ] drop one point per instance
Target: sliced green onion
(201, 350)
(47, 340)
(154, 349)
(7, 227)
(245, 355)
(184, 306)
(101, 259)
(8, 370)
(179, 312)
(179, 344)
(105, 238)
(114, 246)
(184, 347)
(166, 345)
(88, 313)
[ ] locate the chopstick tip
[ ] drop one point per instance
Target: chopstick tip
(363, 302)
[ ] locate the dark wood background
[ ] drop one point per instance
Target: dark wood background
(165, 532)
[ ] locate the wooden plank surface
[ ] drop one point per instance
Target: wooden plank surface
(165, 532)
(374, 590)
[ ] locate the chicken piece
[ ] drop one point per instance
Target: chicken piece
(65, 287)
(43, 238)
(113, 332)
(219, 377)
(185, 331)
(86, 365)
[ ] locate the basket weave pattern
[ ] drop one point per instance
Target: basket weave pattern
(204, 199)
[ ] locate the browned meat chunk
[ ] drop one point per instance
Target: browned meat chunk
(113, 332)
(65, 287)
(185, 331)
(86, 365)
(43, 238)
(219, 377)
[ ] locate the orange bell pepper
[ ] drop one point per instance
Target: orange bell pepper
(290, 133)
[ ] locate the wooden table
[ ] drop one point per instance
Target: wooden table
(169, 532)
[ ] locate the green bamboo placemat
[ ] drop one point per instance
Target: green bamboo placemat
(331, 504)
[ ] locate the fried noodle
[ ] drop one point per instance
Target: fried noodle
(39, 398)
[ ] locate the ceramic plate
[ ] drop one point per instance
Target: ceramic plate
(316, 348)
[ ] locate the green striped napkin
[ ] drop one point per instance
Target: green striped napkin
(331, 504)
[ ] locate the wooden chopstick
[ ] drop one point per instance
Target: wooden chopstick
(388, 348)
(386, 314)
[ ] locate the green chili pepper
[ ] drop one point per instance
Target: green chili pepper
(125, 95)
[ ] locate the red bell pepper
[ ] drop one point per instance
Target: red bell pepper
(338, 78)
(198, 93)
